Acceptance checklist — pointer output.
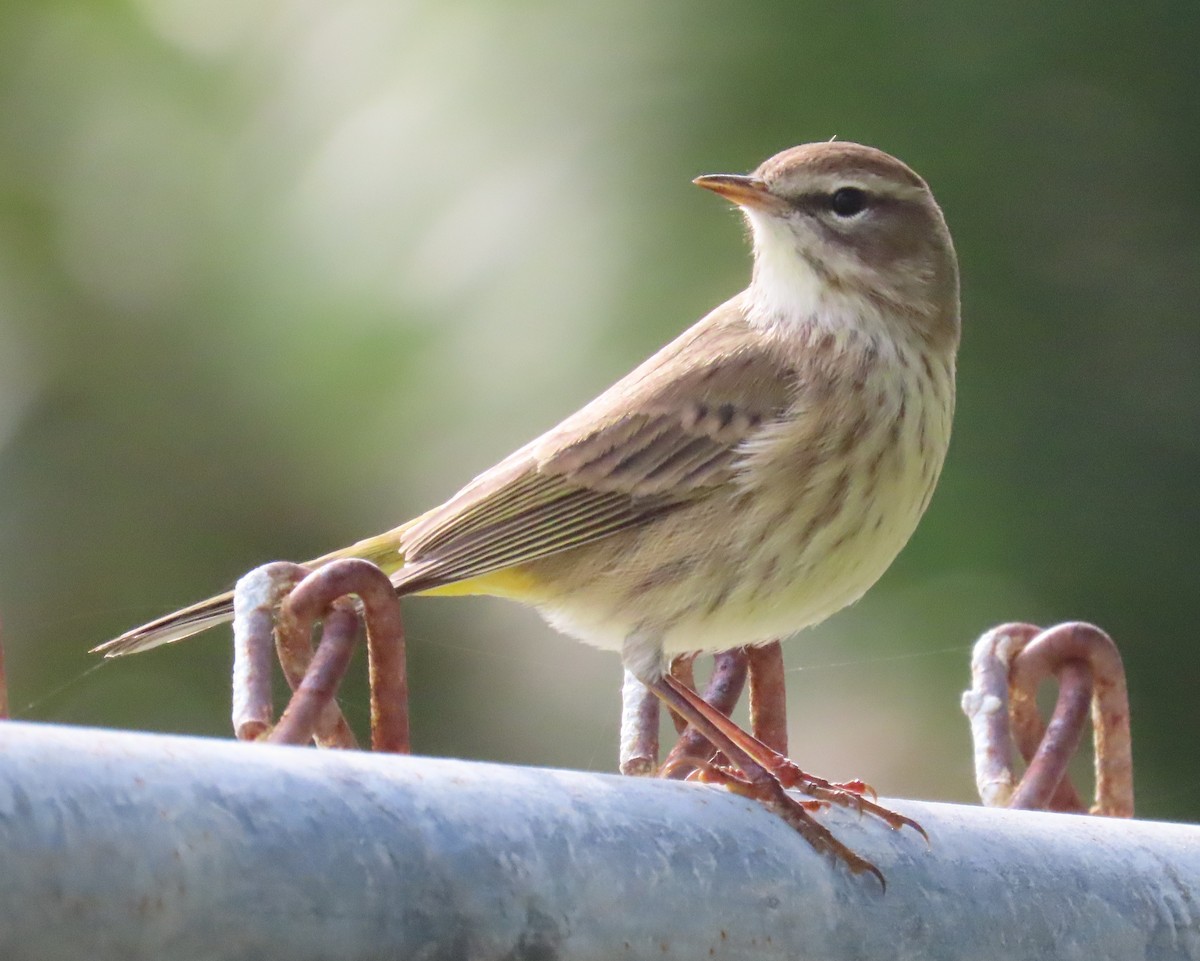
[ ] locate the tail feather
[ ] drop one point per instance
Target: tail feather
(383, 550)
(171, 627)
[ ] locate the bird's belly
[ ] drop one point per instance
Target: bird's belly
(758, 564)
(821, 504)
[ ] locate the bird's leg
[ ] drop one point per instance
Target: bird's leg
(728, 755)
(761, 772)
(693, 751)
(763, 668)
(640, 718)
(762, 665)
(788, 772)
(640, 724)
(756, 780)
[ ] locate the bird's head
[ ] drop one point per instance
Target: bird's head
(837, 226)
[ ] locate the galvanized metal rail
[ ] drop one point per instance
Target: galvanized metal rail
(117, 845)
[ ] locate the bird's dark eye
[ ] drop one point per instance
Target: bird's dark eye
(848, 201)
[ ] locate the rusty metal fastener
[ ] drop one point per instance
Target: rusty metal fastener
(1008, 664)
(276, 607)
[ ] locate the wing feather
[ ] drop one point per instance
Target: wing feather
(672, 431)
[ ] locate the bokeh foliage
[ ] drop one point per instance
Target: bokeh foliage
(274, 276)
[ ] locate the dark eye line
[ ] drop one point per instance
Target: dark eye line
(823, 201)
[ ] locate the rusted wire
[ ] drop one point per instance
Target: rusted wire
(3, 679)
(312, 714)
(639, 729)
(255, 602)
(320, 590)
(285, 601)
(768, 697)
(683, 668)
(1007, 667)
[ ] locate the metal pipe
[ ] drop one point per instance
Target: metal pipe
(119, 845)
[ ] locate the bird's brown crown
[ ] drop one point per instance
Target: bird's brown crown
(863, 221)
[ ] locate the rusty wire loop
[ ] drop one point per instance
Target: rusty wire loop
(275, 609)
(1008, 665)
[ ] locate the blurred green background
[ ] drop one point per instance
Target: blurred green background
(276, 276)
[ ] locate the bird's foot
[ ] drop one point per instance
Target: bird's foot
(848, 794)
(768, 790)
(755, 770)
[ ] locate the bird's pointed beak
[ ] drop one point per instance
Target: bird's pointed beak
(744, 191)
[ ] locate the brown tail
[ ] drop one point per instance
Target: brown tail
(171, 627)
(383, 550)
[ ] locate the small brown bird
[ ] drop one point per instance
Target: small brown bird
(753, 477)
